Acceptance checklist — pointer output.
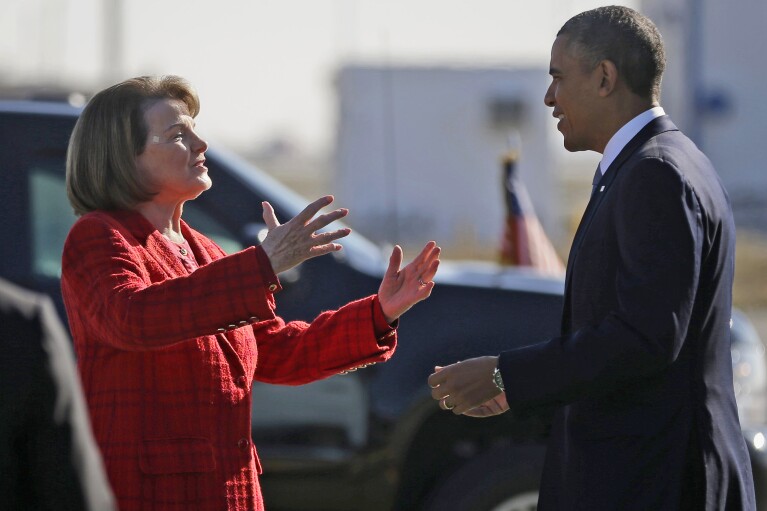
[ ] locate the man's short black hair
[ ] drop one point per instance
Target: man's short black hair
(625, 37)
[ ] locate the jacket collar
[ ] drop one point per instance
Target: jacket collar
(148, 235)
(139, 227)
(655, 127)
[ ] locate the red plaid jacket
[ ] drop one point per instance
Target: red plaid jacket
(167, 358)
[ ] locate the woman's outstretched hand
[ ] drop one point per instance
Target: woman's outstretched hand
(401, 289)
(290, 244)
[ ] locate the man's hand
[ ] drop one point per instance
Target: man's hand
(401, 289)
(495, 406)
(295, 241)
(465, 385)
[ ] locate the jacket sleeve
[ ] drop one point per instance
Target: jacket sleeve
(66, 451)
(335, 342)
(48, 444)
(659, 244)
(114, 288)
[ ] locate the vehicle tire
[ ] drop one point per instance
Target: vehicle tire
(500, 479)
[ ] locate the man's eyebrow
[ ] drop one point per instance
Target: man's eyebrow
(554, 71)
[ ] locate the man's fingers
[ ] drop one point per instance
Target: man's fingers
(482, 411)
(270, 219)
(445, 405)
(436, 379)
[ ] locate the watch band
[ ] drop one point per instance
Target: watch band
(498, 380)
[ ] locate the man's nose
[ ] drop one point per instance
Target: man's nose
(548, 98)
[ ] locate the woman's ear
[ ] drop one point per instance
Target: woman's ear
(608, 77)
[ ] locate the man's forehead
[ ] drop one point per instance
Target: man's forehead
(558, 51)
(565, 52)
(561, 45)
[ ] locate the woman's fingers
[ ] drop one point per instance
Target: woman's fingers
(296, 240)
(430, 271)
(326, 219)
(327, 237)
(424, 254)
(424, 267)
(270, 219)
(312, 209)
(395, 260)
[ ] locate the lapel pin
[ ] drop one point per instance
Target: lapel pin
(601, 189)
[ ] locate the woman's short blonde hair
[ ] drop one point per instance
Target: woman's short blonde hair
(110, 133)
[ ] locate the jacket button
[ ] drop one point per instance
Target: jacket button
(243, 444)
(272, 287)
(241, 382)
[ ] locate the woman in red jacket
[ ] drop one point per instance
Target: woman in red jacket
(170, 331)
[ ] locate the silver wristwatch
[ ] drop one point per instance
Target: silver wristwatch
(498, 380)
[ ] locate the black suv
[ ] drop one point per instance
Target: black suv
(372, 439)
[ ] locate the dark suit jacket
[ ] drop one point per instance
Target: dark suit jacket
(168, 358)
(640, 381)
(48, 458)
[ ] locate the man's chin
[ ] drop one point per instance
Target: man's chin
(573, 147)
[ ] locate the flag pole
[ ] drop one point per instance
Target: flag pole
(524, 242)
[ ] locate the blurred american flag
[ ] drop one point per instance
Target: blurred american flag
(524, 241)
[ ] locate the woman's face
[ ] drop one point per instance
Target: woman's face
(173, 161)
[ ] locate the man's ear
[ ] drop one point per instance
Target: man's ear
(608, 77)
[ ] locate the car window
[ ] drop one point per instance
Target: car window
(52, 217)
(199, 220)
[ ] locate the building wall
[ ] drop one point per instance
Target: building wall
(714, 90)
(419, 152)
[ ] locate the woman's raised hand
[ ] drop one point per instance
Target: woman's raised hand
(290, 244)
(401, 289)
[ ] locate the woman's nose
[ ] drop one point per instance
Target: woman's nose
(198, 144)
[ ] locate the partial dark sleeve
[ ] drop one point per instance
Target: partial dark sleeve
(76, 455)
(55, 463)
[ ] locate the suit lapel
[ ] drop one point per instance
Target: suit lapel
(653, 128)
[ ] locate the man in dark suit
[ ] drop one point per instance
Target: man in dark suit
(48, 457)
(638, 387)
